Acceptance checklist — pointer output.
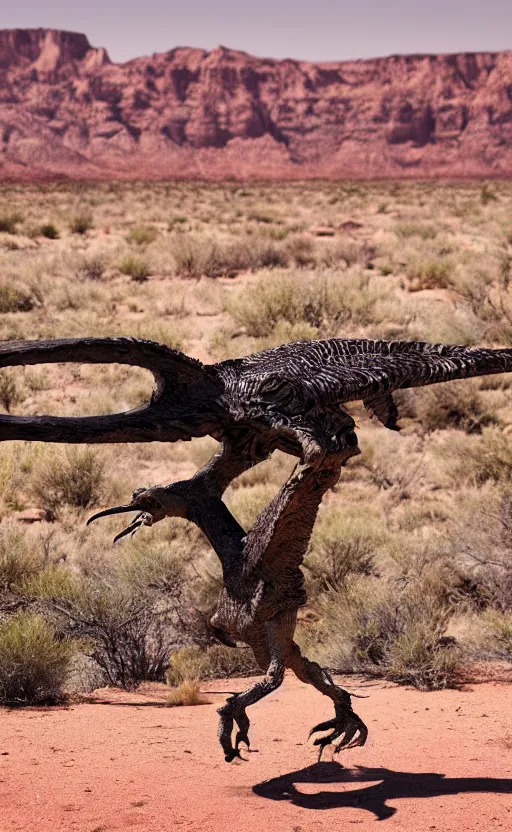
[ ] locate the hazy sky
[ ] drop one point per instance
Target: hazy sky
(307, 29)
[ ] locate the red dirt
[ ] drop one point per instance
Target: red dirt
(437, 761)
(67, 111)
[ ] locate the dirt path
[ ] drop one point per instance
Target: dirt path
(439, 761)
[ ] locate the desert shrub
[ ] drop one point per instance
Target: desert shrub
(81, 222)
(91, 267)
(197, 256)
(351, 253)
(142, 235)
(11, 393)
(342, 546)
(390, 630)
(430, 274)
(301, 250)
(137, 267)
(479, 543)
(33, 663)
(216, 662)
(323, 302)
(478, 459)
(499, 628)
(126, 610)
(49, 230)
(19, 558)
(73, 477)
(15, 298)
(457, 404)
(426, 231)
(187, 693)
(177, 219)
(8, 222)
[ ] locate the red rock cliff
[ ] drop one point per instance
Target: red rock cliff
(66, 109)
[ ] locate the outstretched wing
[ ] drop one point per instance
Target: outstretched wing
(311, 375)
(184, 403)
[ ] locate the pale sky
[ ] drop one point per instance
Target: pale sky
(318, 30)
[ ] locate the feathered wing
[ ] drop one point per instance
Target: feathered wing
(311, 375)
(184, 402)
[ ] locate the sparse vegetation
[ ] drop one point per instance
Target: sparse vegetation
(50, 231)
(415, 261)
(9, 222)
(73, 477)
(187, 693)
(33, 662)
(136, 267)
(81, 222)
(196, 662)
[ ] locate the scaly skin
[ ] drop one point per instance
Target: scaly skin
(288, 398)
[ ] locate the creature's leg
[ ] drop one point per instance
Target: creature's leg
(346, 724)
(272, 653)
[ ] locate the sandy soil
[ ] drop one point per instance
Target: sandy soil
(439, 761)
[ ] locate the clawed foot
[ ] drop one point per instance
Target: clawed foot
(229, 714)
(346, 725)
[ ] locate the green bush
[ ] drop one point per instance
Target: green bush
(142, 235)
(390, 630)
(50, 231)
(33, 663)
(81, 222)
(74, 477)
(126, 610)
(19, 559)
(322, 301)
(136, 267)
(430, 274)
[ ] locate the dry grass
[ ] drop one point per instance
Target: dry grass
(187, 693)
(264, 265)
(33, 662)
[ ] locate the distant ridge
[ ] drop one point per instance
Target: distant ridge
(67, 111)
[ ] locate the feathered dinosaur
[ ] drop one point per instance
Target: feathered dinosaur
(288, 398)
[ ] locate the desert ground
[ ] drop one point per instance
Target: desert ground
(126, 761)
(409, 570)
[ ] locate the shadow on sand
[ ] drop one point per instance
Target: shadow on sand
(391, 785)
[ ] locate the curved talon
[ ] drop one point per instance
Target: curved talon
(347, 725)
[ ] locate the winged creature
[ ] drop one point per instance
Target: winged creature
(289, 398)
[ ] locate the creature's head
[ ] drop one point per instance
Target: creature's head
(152, 505)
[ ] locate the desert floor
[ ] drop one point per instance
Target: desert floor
(124, 761)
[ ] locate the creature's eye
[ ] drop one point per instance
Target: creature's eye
(351, 439)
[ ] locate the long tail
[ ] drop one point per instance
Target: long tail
(181, 406)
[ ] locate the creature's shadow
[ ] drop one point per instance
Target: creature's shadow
(391, 785)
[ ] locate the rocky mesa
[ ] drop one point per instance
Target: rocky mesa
(66, 110)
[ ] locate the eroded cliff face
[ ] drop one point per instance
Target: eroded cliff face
(66, 109)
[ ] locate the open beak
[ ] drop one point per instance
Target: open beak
(143, 519)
